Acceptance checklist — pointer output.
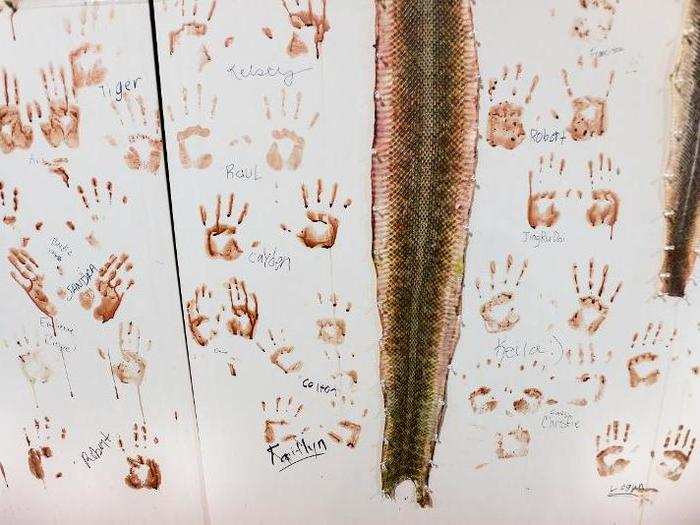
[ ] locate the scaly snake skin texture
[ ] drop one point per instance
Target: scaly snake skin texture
(683, 186)
(423, 181)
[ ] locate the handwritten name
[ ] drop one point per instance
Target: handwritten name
(82, 282)
(243, 173)
(559, 420)
(301, 451)
(507, 350)
(59, 249)
(318, 387)
(547, 137)
(637, 490)
(541, 237)
(92, 454)
(600, 53)
(271, 260)
(121, 88)
(244, 72)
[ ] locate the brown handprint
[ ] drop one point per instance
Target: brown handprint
(322, 229)
(285, 413)
(505, 124)
(306, 18)
(593, 301)
(85, 60)
(615, 443)
(187, 133)
(332, 330)
(37, 455)
(143, 134)
(144, 472)
(109, 285)
(63, 123)
(280, 352)
(9, 205)
(96, 203)
(131, 369)
(244, 310)
(30, 280)
(590, 114)
(542, 207)
(286, 150)
(606, 203)
(646, 356)
(515, 444)
(202, 327)
(675, 456)
(597, 20)
(504, 321)
(192, 22)
(35, 367)
(482, 400)
(220, 240)
(14, 132)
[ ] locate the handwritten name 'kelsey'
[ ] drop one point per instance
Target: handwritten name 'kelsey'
(252, 71)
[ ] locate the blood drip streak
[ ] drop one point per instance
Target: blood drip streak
(682, 171)
(423, 181)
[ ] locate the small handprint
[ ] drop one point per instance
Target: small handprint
(220, 241)
(59, 167)
(144, 472)
(34, 364)
(131, 369)
(286, 150)
(142, 134)
(596, 20)
(606, 203)
(347, 428)
(332, 330)
(193, 22)
(589, 114)
(515, 444)
(31, 281)
(243, 311)
(63, 121)
(15, 133)
(112, 286)
(502, 293)
(285, 414)
(322, 227)
(615, 444)
(306, 18)
(593, 302)
(196, 129)
(44, 450)
(281, 353)
(204, 326)
(482, 400)
(86, 59)
(9, 205)
(505, 118)
(647, 352)
(98, 202)
(675, 455)
(542, 205)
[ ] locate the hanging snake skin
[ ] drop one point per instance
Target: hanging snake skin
(682, 171)
(423, 178)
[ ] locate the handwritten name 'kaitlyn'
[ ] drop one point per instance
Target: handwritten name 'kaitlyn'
(301, 451)
(244, 72)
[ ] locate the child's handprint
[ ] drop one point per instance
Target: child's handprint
(145, 145)
(542, 207)
(589, 114)
(86, 59)
(31, 281)
(332, 330)
(109, 285)
(287, 148)
(285, 414)
(144, 472)
(593, 301)
(505, 124)
(306, 18)
(606, 203)
(322, 227)
(34, 364)
(14, 132)
(193, 22)
(502, 292)
(203, 326)
(220, 240)
(675, 455)
(515, 444)
(131, 369)
(347, 429)
(63, 122)
(9, 205)
(97, 203)
(615, 443)
(243, 312)
(648, 355)
(187, 133)
(281, 352)
(37, 455)
(596, 21)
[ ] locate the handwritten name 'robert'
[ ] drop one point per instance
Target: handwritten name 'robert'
(96, 452)
(288, 76)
